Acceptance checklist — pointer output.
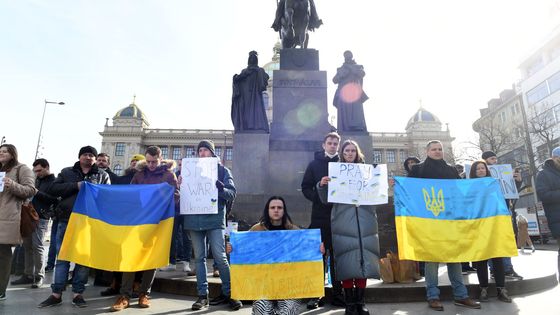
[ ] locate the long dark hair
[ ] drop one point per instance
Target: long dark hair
(359, 155)
(265, 219)
(13, 162)
(472, 173)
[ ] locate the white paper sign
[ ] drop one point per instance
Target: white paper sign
(504, 174)
(2, 175)
(199, 194)
(358, 184)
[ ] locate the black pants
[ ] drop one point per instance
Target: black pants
(482, 272)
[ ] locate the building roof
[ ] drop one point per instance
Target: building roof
(422, 115)
(131, 111)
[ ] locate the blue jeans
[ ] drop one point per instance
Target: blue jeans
(454, 274)
(218, 248)
(80, 275)
(52, 246)
(508, 266)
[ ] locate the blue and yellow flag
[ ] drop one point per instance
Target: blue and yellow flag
(275, 265)
(448, 220)
(121, 227)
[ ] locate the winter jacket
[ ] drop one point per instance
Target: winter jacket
(112, 176)
(127, 177)
(162, 174)
(203, 222)
(42, 201)
(317, 169)
(65, 186)
(261, 227)
(354, 239)
(11, 200)
(548, 191)
(437, 169)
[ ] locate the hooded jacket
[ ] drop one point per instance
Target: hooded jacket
(548, 191)
(162, 174)
(42, 200)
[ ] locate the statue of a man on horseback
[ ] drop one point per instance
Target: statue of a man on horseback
(293, 19)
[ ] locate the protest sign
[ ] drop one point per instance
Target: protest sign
(2, 175)
(358, 184)
(504, 174)
(199, 194)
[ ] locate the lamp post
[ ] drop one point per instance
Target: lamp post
(41, 128)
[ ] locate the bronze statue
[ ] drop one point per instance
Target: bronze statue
(247, 105)
(349, 96)
(293, 19)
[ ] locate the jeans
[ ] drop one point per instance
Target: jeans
(508, 266)
(5, 266)
(217, 245)
(35, 251)
(80, 275)
(558, 243)
(181, 247)
(52, 246)
(455, 277)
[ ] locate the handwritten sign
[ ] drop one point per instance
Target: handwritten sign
(199, 194)
(504, 174)
(2, 175)
(358, 184)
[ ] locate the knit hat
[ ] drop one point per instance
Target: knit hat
(556, 152)
(87, 149)
(138, 157)
(410, 158)
(488, 154)
(208, 144)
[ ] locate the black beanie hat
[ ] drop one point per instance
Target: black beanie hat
(87, 149)
(413, 158)
(488, 154)
(208, 144)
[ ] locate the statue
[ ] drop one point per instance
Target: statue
(349, 96)
(247, 105)
(293, 19)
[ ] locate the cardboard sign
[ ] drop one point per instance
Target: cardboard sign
(358, 184)
(199, 194)
(504, 174)
(2, 175)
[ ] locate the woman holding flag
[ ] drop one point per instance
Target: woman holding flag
(480, 169)
(355, 241)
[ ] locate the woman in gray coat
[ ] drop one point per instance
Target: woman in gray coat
(355, 241)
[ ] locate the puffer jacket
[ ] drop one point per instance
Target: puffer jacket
(203, 222)
(162, 174)
(11, 200)
(355, 239)
(548, 191)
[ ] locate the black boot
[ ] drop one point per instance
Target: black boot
(337, 298)
(360, 301)
(350, 304)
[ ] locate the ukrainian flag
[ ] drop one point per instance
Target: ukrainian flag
(276, 265)
(121, 227)
(443, 220)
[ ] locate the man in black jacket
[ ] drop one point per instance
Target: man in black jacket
(34, 272)
(67, 185)
(548, 191)
(104, 162)
(321, 213)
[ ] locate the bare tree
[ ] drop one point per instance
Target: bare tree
(542, 127)
(493, 136)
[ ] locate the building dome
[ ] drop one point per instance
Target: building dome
(131, 111)
(422, 115)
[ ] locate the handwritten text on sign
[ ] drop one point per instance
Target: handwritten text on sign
(358, 184)
(504, 174)
(199, 194)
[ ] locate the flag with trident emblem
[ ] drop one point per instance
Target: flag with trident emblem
(452, 220)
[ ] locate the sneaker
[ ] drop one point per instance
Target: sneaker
(468, 269)
(220, 299)
(143, 300)
(170, 267)
(23, 280)
(3, 296)
(49, 269)
(78, 301)
(435, 305)
(483, 295)
(50, 301)
(315, 303)
(468, 302)
(201, 302)
(235, 304)
(186, 266)
(513, 275)
(37, 283)
(503, 295)
(110, 291)
(120, 304)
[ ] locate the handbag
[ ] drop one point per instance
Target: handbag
(403, 271)
(29, 216)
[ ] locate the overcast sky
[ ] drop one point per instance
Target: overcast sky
(178, 57)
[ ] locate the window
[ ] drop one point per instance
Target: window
(537, 93)
(119, 149)
(229, 154)
(503, 117)
(164, 152)
(377, 156)
(557, 113)
(117, 170)
(554, 82)
(190, 152)
(176, 153)
(404, 155)
(391, 156)
(219, 151)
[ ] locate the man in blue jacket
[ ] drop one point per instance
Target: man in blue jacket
(212, 227)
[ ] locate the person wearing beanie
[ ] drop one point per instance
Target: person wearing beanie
(131, 170)
(409, 162)
(66, 187)
(488, 155)
(548, 190)
(202, 227)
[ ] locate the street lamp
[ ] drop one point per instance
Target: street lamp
(41, 128)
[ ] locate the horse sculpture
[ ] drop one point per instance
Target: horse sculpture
(293, 20)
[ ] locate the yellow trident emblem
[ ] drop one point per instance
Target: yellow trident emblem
(433, 204)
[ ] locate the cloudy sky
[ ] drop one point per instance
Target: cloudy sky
(178, 57)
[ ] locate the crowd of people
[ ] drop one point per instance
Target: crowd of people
(350, 243)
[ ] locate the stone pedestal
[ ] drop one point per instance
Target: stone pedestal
(250, 162)
(364, 140)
